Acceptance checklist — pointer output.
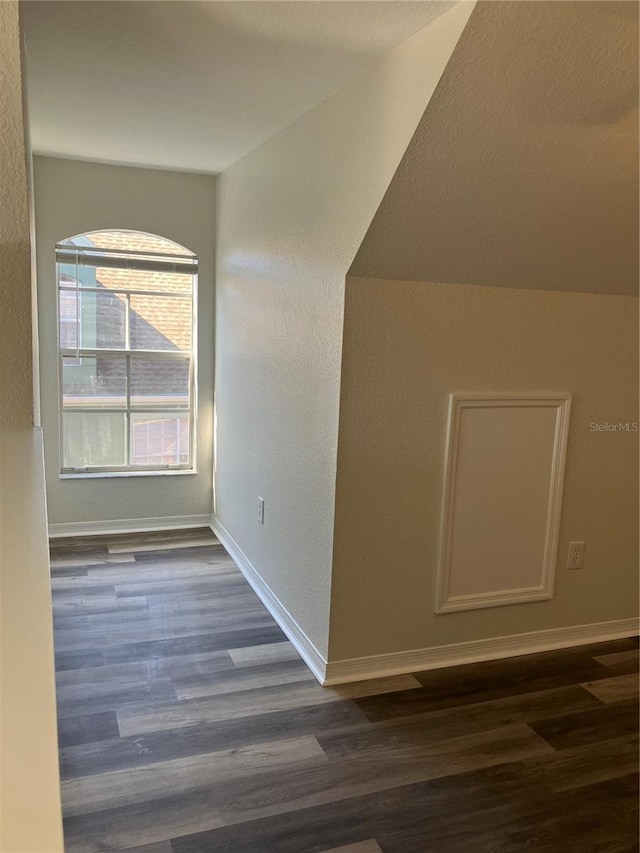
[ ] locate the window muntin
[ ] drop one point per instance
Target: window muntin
(126, 352)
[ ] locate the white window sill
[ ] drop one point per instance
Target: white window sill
(109, 475)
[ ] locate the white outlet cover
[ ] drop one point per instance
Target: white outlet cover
(575, 557)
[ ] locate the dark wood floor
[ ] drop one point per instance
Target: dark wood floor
(189, 725)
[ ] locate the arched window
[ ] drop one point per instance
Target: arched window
(126, 350)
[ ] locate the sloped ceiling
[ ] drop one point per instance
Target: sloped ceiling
(524, 169)
(194, 85)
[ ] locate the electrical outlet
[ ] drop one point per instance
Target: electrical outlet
(261, 510)
(576, 555)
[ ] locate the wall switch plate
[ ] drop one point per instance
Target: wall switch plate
(576, 555)
(261, 510)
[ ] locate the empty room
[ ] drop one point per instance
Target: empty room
(319, 426)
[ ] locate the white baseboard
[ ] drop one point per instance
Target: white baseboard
(128, 525)
(417, 660)
(375, 666)
(299, 640)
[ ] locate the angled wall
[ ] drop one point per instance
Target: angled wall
(524, 169)
(291, 216)
(503, 258)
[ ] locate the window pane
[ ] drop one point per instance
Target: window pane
(124, 290)
(159, 382)
(68, 319)
(93, 439)
(94, 381)
(127, 279)
(160, 323)
(161, 439)
(112, 277)
(123, 238)
(99, 317)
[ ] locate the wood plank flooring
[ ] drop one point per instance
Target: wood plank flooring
(188, 724)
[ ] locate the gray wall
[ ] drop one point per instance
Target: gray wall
(73, 197)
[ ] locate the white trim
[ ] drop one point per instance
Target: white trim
(446, 603)
(417, 660)
(299, 640)
(109, 475)
(127, 353)
(128, 525)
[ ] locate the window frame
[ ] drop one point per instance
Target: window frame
(123, 259)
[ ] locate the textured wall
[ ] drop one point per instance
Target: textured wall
(30, 781)
(407, 346)
(31, 818)
(72, 197)
(291, 216)
(16, 401)
(524, 169)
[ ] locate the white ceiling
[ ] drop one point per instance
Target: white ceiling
(194, 85)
